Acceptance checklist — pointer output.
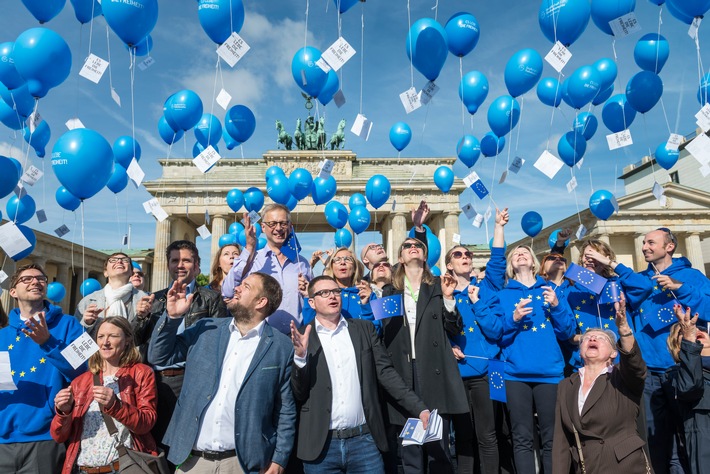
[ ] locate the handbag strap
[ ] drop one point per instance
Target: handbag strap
(108, 421)
(579, 450)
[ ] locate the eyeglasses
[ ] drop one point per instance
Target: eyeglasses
(343, 259)
(595, 337)
(119, 259)
(411, 245)
(140, 274)
(381, 264)
(327, 293)
(670, 234)
(27, 279)
(460, 254)
(555, 258)
(273, 224)
(374, 247)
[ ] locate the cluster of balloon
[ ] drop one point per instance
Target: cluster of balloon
(83, 161)
(89, 286)
(20, 210)
(239, 125)
(9, 175)
(433, 246)
(603, 204)
(343, 238)
(56, 291)
(468, 149)
(427, 47)
(665, 157)
(41, 58)
(181, 112)
(552, 241)
(377, 190)
(219, 18)
(131, 21)
(400, 135)
(444, 178)
(39, 138)
(66, 200)
(531, 223)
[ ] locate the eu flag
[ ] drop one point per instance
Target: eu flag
(387, 307)
(611, 293)
(664, 317)
(479, 189)
(291, 247)
(496, 380)
(586, 278)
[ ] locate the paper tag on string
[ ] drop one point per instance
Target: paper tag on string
(339, 99)
(581, 232)
(135, 172)
(657, 190)
(619, 140)
(410, 100)
(94, 68)
(502, 177)
(693, 30)
(74, 123)
(338, 53)
(428, 92)
(160, 214)
(703, 117)
(488, 213)
(705, 170)
(674, 141)
(326, 168)
(33, 120)
(456, 238)
(223, 99)
(6, 381)
(124, 239)
(41, 216)
(80, 350)
(61, 231)
(362, 127)
(146, 63)
(468, 210)
(253, 218)
(615, 203)
(572, 184)
(20, 190)
(151, 204)
(12, 240)
(32, 175)
(323, 65)
(205, 160)
(471, 178)
(558, 57)
(516, 165)
(204, 232)
(579, 164)
(3, 276)
(116, 98)
(625, 25)
(699, 148)
(477, 221)
(207, 217)
(233, 49)
(548, 164)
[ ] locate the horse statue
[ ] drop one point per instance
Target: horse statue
(298, 139)
(338, 138)
(321, 141)
(311, 137)
(284, 138)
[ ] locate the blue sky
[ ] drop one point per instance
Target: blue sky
(185, 58)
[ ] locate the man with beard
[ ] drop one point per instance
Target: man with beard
(237, 412)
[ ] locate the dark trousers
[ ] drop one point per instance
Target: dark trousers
(168, 393)
(38, 457)
(663, 428)
(476, 431)
(524, 400)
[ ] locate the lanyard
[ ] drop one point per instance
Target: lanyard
(415, 296)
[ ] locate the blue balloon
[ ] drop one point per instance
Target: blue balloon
(42, 58)
(462, 33)
(143, 48)
(118, 180)
(125, 148)
(219, 18)
(56, 292)
(607, 72)
(230, 142)
(522, 71)
(675, 10)
(617, 113)
(691, 8)
(490, 244)
(345, 5)
(253, 199)
(603, 96)
(563, 20)
(86, 10)
(323, 190)
(666, 158)
(261, 242)
(66, 200)
(208, 130)
(131, 21)
(704, 89)
(343, 238)
(9, 175)
(235, 199)
(473, 90)
(444, 178)
(89, 286)
(571, 148)
(10, 118)
(307, 74)
(292, 203)
(240, 123)
(336, 214)
(357, 199)
(552, 240)
(183, 110)
(82, 161)
(277, 189)
(17, 166)
(197, 148)
(400, 135)
(644, 90)
(491, 144)
(273, 171)
(44, 10)
(433, 249)
(602, 204)
(651, 52)
(503, 115)
(427, 47)
(586, 124)
(604, 11)
(19, 99)
(377, 190)
(435, 270)
(8, 73)
(235, 228)
(583, 86)
(242, 238)
(531, 223)
(39, 138)
(300, 183)
(359, 219)
(227, 239)
(20, 210)
(549, 91)
(167, 133)
(468, 149)
(331, 86)
(30, 236)
(657, 2)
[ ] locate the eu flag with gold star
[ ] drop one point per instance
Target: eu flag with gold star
(586, 278)
(387, 307)
(291, 247)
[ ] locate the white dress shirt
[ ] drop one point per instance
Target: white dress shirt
(410, 311)
(217, 425)
(581, 396)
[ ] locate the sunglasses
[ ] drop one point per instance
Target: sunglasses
(460, 254)
(412, 245)
(381, 264)
(556, 259)
(670, 234)
(140, 274)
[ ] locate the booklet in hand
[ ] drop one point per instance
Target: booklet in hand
(414, 432)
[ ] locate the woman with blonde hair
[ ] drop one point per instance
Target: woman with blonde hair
(221, 264)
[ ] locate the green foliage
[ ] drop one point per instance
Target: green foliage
(202, 280)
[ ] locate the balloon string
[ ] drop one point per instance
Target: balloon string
(665, 116)
(520, 127)
(214, 96)
(576, 200)
(554, 109)
(132, 55)
(658, 43)
(648, 141)
(118, 218)
(305, 35)
(73, 239)
(83, 244)
(436, 10)
(231, 19)
(362, 53)
(591, 184)
(91, 28)
(44, 185)
(463, 114)
(409, 41)
(616, 173)
(108, 49)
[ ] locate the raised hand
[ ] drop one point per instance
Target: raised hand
(666, 282)
(420, 215)
(144, 305)
(302, 285)
(473, 292)
(592, 254)
(37, 330)
(300, 341)
(448, 285)
(458, 353)
(178, 302)
(502, 217)
(91, 313)
(364, 291)
(550, 296)
(64, 400)
(103, 395)
(250, 232)
(522, 310)
(687, 323)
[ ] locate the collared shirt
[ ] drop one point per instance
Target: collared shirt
(188, 291)
(581, 396)
(266, 261)
(410, 311)
(217, 425)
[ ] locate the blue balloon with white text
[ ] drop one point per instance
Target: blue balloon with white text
(563, 20)
(522, 71)
(219, 18)
(131, 21)
(82, 160)
(462, 33)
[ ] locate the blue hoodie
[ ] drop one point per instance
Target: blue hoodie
(530, 346)
(695, 293)
(39, 371)
(495, 274)
(351, 308)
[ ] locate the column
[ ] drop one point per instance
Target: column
(604, 238)
(639, 260)
(573, 254)
(41, 261)
(8, 302)
(451, 227)
(160, 278)
(694, 252)
(396, 235)
(219, 228)
(63, 278)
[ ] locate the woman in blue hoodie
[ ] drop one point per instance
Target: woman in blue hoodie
(534, 320)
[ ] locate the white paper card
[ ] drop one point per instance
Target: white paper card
(323, 65)
(61, 231)
(572, 185)
(74, 123)
(428, 92)
(20, 190)
(135, 172)
(619, 140)
(674, 141)
(32, 175)
(326, 168)
(160, 214)
(456, 238)
(362, 127)
(502, 177)
(625, 25)
(146, 63)
(3, 276)
(693, 30)
(705, 170)
(6, 382)
(699, 148)
(151, 204)
(703, 117)
(657, 190)
(558, 57)
(662, 201)
(254, 217)
(516, 164)
(468, 210)
(615, 203)
(488, 214)
(581, 231)
(116, 98)
(205, 160)
(80, 350)
(478, 220)
(204, 232)
(12, 240)
(223, 99)
(471, 178)
(410, 100)
(33, 120)
(41, 216)
(548, 164)
(94, 68)
(339, 99)
(233, 49)
(338, 53)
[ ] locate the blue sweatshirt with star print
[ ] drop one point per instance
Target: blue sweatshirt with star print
(351, 309)
(530, 346)
(39, 372)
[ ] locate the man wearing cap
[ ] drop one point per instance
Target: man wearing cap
(137, 277)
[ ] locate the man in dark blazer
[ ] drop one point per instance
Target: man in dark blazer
(236, 411)
(338, 366)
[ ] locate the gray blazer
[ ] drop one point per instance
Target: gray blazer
(265, 412)
(99, 299)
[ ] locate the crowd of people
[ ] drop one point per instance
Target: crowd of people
(270, 369)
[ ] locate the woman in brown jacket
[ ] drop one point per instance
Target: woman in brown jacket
(595, 423)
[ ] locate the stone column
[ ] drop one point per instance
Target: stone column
(396, 235)
(573, 254)
(63, 278)
(41, 261)
(219, 228)
(639, 260)
(451, 227)
(160, 277)
(604, 238)
(694, 252)
(8, 302)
